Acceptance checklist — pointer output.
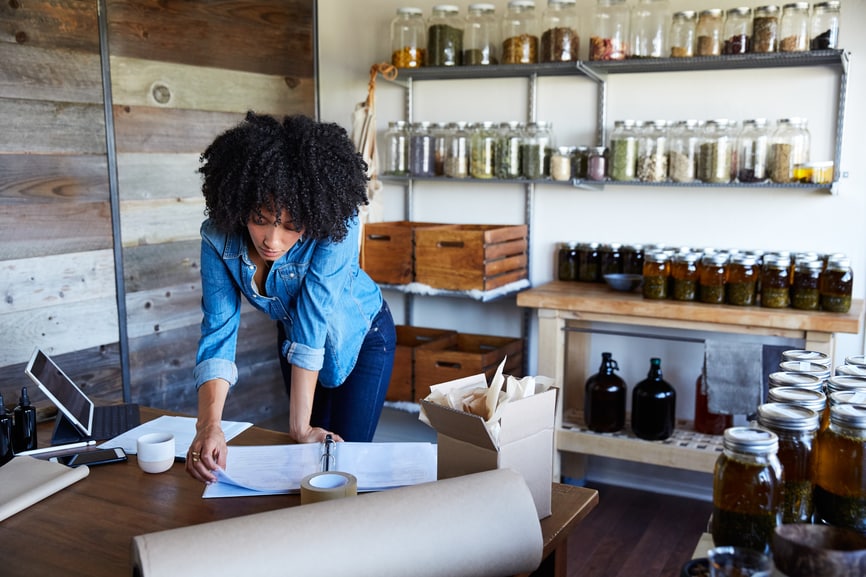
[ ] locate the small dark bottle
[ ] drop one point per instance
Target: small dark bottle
(653, 406)
(604, 402)
(6, 453)
(24, 425)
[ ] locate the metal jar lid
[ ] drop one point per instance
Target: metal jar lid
(805, 367)
(848, 416)
(787, 417)
(849, 397)
(815, 400)
(846, 383)
(807, 356)
(753, 440)
(789, 379)
(858, 360)
(852, 370)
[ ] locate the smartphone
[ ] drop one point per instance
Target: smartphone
(91, 458)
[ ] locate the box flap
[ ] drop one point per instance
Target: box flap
(458, 424)
(527, 416)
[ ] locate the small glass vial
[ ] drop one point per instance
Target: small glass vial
(481, 36)
(708, 32)
(713, 276)
(741, 287)
(789, 148)
(682, 36)
(482, 150)
(824, 26)
(567, 261)
(765, 29)
(794, 27)
(589, 262)
(652, 153)
(797, 429)
(508, 163)
(422, 152)
(520, 33)
(623, 151)
(656, 274)
(609, 37)
(752, 149)
(738, 31)
(445, 36)
(648, 29)
(747, 489)
(534, 149)
(457, 159)
(683, 151)
(685, 276)
(397, 148)
(715, 160)
(840, 488)
(560, 41)
(560, 163)
(775, 281)
(408, 38)
(806, 285)
(837, 283)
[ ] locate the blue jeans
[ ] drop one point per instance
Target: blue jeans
(352, 409)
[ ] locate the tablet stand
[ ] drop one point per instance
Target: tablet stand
(65, 431)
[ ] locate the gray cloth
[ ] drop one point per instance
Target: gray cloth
(733, 376)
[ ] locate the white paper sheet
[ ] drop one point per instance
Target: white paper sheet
(183, 429)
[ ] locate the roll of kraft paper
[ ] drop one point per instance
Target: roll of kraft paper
(479, 525)
(327, 486)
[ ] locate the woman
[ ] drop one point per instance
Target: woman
(282, 200)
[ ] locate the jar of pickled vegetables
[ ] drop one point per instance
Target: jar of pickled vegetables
(840, 488)
(837, 282)
(656, 272)
(685, 276)
(741, 288)
(775, 281)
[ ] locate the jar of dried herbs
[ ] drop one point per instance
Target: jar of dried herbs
(797, 429)
(741, 288)
(738, 31)
(805, 287)
(776, 281)
(715, 159)
(794, 27)
(648, 29)
(566, 260)
(481, 36)
(708, 32)
(560, 41)
(840, 485)
(609, 36)
(589, 262)
(789, 148)
(752, 149)
(824, 26)
(520, 33)
(713, 277)
(535, 148)
(656, 274)
(765, 29)
(457, 159)
(747, 489)
(652, 153)
(597, 163)
(482, 150)
(508, 150)
(685, 276)
(445, 36)
(682, 37)
(683, 150)
(408, 38)
(623, 151)
(837, 282)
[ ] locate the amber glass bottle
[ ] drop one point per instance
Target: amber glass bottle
(604, 402)
(747, 489)
(840, 475)
(653, 405)
(706, 422)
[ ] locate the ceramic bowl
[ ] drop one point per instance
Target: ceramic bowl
(805, 550)
(623, 282)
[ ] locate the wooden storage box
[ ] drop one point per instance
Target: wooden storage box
(388, 250)
(402, 384)
(471, 256)
(466, 355)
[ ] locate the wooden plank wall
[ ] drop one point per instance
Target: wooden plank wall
(181, 73)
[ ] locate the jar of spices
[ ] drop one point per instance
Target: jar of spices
(648, 29)
(824, 26)
(789, 148)
(715, 159)
(561, 163)
(708, 32)
(445, 36)
(738, 31)
(840, 488)
(705, 421)
(609, 35)
(797, 429)
(683, 150)
(605, 398)
(632, 259)
(579, 162)
(408, 38)
(421, 150)
(682, 36)
(837, 282)
(765, 29)
(566, 261)
(623, 151)
(520, 33)
(508, 164)
(457, 159)
(397, 148)
(597, 163)
(535, 149)
(481, 36)
(794, 27)
(589, 262)
(611, 258)
(741, 288)
(713, 276)
(482, 150)
(560, 41)
(439, 131)
(747, 489)
(656, 272)
(685, 275)
(805, 286)
(775, 281)
(752, 149)
(652, 153)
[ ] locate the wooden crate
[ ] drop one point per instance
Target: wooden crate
(468, 354)
(402, 384)
(387, 253)
(471, 256)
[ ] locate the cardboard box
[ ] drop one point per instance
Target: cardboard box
(526, 441)
(402, 385)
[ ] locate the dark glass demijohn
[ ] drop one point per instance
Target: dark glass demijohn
(653, 405)
(604, 403)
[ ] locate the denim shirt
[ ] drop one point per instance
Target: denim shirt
(317, 290)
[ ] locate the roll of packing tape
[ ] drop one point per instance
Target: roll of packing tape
(327, 486)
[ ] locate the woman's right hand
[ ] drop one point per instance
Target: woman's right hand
(206, 453)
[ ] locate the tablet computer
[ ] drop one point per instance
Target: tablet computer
(61, 390)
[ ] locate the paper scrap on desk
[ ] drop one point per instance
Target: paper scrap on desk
(183, 429)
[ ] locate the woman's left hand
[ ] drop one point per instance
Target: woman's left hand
(314, 435)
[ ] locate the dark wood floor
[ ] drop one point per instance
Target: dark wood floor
(635, 533)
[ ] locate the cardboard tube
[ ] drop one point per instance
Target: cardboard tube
(479, 525)
(327, 487)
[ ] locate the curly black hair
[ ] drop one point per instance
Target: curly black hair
(308, 168)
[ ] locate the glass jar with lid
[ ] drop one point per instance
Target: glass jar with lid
(807, 356)
(508, 164)
(632, 258)
(652, 152)
(708, 32)
(741, 287)
(560, 24)
(421, 150)
(752, 149)
(824, 26)
(682, 36)
(840, 489)
(589, 262)
(520, 33)
(683, 150)
(408, 38)
(794, 27)
(579, 161)
(609, 36)
(534, 150)
(597, 163)
(806, 285)
(611, 258)
(457, 159)
(685, 275)
(837, 282)
(482, 150)
(397, 148)
(560, 163)
(445, 36)
(747, 489)
(765, 29)
(623, 151)
(797, 429)
(566, 261)
(715, 160)
(648, 29)
(440, 133)
(481, 36)
(789, 148)
(713, 276)
(738, 31)
(775, 281)
(656, 272)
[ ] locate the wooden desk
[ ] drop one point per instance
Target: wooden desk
(86, 529)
